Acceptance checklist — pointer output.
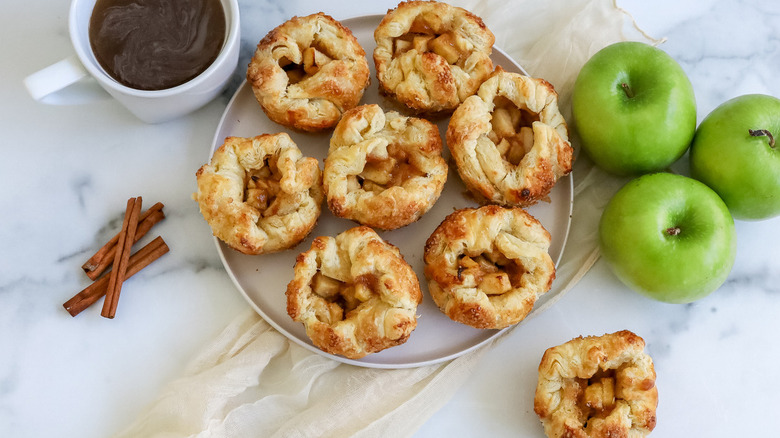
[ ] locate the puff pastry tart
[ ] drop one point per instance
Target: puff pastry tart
(431, 56)
(383, 170)
(510, 141)
(260, 194)
(354, 293)
(597, 387)
(486, 267)
(307, 72)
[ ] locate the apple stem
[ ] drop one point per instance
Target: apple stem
(627, 89)
(760, 132)
(673, 231)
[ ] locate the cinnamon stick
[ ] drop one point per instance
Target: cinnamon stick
(105, 255)
(141, 259)
(123, 248)
(107, 259)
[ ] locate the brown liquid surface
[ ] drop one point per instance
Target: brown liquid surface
(156, 44)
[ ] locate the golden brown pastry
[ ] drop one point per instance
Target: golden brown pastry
(354, 293)
(431, 56)
(597, 387)
(486, 267)
(510, 142)
(260, 194)
(307, 72)
(383, 170)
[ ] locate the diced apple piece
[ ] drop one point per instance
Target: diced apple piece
(526, 136)
(420, 42)
(608, 392)
(295, 76)
(420, 25)
(403, 172)
(496, 258)
(371, 186)
(444, 46)
(257, 198)
(353, 183)
(379, 171)
(468, 263)
(362, 292)
(485, 264)
(401, 46)
(325, 286)
(326, 311)
(262, 173)
(516, 150)
(350, 301)
(269, 184)
(601, 395)
(495, 283)
(501, 122)
(460, 43)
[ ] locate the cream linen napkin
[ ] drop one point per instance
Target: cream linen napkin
(252, 382)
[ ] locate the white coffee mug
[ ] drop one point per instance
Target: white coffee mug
(150, 106)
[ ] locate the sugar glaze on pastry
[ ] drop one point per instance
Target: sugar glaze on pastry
(486, 267)
(306, 72)
(431, 56)
(354, 293)
(384, 170)
(510, 141)
(597, 387)
(260, 194)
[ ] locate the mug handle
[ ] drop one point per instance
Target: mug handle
(54, 77)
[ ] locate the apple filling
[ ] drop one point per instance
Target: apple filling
(492, 272)
(596, 396)
(334, 299)
(425, 35)
(511, 129)
(314, 58)
(381, 173)
(262, 187)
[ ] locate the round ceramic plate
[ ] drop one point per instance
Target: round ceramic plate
(263, 279)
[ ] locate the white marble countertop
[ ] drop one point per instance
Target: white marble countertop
(69, 171)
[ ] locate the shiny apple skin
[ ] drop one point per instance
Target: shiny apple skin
(641, 133)
(638, 241)
(742, 168)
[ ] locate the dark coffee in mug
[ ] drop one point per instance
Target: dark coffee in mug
(156, 44)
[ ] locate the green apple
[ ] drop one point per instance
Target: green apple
(634, 109)
(669, 237)
(734, 152)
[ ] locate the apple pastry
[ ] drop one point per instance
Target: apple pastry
(383, 170)
(597, 387)
(307, 72)
(486, 267)
(260, 194)
(431, 56)
(355, 294)
(510, 141)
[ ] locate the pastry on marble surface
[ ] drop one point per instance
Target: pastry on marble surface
(383, 170)
(510, 141)
(306, 72)
(431, 56)
(354, 293)
(486, 267)
(597, 387)
(260, 194)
